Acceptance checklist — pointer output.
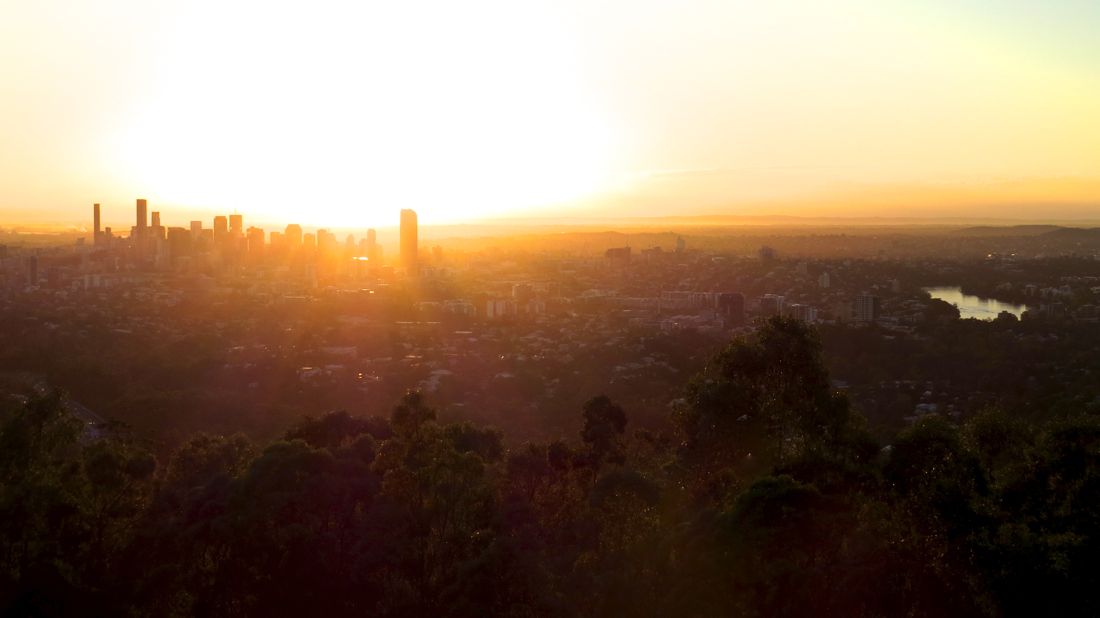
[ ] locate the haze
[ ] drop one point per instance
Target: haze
(341, 113)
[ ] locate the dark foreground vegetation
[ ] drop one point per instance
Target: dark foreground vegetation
(769, 499)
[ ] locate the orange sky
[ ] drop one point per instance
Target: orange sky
(341, 113)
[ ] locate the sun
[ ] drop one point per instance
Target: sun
(341, 118)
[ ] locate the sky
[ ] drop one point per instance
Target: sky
(342, 113)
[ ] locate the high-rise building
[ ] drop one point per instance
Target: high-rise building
(293, 236)
(236, 226)
(326, 242)
(865, 308)
(731, 307)
(95, 224)
(32, 270)
(179, 242)
(618, 256)
(255, 241)
(155, 228)
(372, 253)
(196, 230)
(800, 311)
(221, 228)
(772, 304)
(142, 216)
(408, 240)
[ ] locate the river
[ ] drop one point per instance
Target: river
(971, 306)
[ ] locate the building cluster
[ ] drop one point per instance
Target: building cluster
(338, 320)
(151, 244)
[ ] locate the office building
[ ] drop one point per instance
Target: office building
(803, 312)
(142, 217)
(865, 308)
(731, 308)
(236, 226)
(326, 242)
(155, 228)
(196, 230)
(618, 256)
(95, 224)
(32, 270)
(772, 304)
(255, 241)
(179, 242)
(409, 237)
(372, 253)
(221, 228)
(292, 236)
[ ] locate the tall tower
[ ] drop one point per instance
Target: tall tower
(236, 226)
(155, 228)
(371, 242)
(293, 233)
(142, 216)
(408, 240)
(221, 228)
(95, 224)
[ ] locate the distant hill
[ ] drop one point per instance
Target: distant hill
(1009, 230)
(1074, 233)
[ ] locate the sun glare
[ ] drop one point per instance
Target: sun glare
(334, 118)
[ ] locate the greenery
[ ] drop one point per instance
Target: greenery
(769, 497)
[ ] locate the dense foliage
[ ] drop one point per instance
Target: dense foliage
(769, 499)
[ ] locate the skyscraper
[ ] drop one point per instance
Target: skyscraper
(408, 240)
(221, 228)
(372, 247)
(32, 270)
(293, 236)
(142, 216)
(236, 225)
(155, 229)
(255, 241)
(95, 224)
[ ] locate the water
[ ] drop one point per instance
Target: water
(971, 306)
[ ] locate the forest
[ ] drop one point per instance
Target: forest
(768, 497)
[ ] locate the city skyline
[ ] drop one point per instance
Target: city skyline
(231, 224)
(552, 110)
(521, 308)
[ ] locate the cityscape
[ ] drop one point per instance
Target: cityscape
(549, 309)
(171, 332)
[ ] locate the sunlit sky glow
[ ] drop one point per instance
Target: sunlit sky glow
(342, 113)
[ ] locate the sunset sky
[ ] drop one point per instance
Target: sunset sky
(342, 113)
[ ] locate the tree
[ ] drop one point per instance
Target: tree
(604, 423)
(765, 400)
